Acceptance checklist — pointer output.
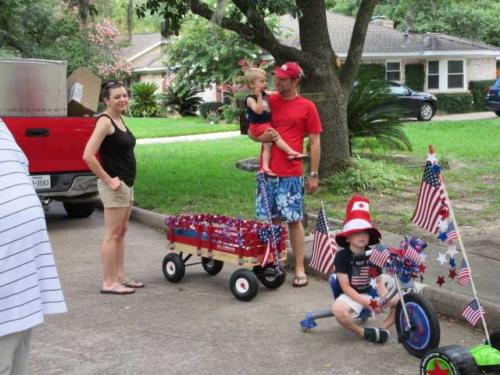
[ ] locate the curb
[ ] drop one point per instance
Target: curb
(445, 302)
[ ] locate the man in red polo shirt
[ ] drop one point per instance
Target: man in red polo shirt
(294, 117)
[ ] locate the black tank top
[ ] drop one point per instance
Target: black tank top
(117, 154)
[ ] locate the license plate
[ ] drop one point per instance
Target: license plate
(41, 182)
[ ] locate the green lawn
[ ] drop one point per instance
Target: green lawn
(196, 177)
(170, 127)
(470, 140)
(201, 177)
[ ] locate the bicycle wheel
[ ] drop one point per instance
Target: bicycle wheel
(424, 333)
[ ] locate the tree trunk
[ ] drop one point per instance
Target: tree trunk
(322, 79)
(130, 19)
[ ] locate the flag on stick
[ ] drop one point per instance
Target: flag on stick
(451, 233)
(473, 313)
(463, 274)
(431, 198)
(379, 256)
(323, 247)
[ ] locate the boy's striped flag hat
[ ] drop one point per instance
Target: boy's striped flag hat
(357, 219)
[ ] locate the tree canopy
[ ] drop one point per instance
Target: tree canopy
(52, 30)
(205, 53)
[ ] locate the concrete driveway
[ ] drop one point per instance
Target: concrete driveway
(196, 326)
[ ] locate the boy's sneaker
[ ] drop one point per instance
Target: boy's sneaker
(376, 335)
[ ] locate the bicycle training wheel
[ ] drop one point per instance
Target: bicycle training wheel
(424, 333)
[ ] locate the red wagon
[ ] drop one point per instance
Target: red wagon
(256, 246)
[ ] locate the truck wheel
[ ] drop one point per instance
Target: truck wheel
(243, 284)
(173, 267)
(211, 266)
(267, 276)
(451, 360)
(79, 210)
(424, 334)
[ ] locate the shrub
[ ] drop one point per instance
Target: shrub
(365, 175)
(231, 113)
(210, 108)
(478, 90)
(373, 112)
(144, 102)
(415, 76)
(371, 71)
(183, 97)
(455, 103)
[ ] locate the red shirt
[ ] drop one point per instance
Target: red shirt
(293, 119)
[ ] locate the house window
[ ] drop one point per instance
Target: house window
(393, 71)
(455, 74)
(433, 74)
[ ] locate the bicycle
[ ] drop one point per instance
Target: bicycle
(416, 321)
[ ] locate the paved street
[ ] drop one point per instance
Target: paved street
(196, 326)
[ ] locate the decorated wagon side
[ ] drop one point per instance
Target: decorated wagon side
(255, 246)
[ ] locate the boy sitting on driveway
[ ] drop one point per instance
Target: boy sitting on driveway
(353, 272)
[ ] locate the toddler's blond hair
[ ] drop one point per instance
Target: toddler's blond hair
(253, 73)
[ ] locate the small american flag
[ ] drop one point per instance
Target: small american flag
(412, 255)
(380, 256)
(430, 198)
(324, 246)
(473, 313)
(463, 274)
(451, 233)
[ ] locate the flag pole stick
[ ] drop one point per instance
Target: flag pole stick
(327, 227)
(462, 249)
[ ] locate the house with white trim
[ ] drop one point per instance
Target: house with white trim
(449, 62)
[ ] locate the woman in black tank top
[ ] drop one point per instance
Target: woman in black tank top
(115, 170)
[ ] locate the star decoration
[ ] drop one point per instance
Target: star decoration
(373, 272)
(440, 281)
(452, 251)
(452, 263)
(422, 257)
(442, 258)
(437, 369)
(452, 273)
(374, 304)
(373, 283)
(422, 268)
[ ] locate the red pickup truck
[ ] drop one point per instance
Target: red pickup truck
(54, 147)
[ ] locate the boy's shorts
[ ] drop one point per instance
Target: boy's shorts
(353, 305)
(285, 196)
(121, 198)
(256, 130)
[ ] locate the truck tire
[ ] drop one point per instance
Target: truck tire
(79, 210)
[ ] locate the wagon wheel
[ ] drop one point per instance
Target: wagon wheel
(451, 360)
(267, 276)
(424, 334)
(211, 266)
(173, 267)
(243, 284)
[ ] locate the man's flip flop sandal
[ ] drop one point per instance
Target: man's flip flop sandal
(300, 281)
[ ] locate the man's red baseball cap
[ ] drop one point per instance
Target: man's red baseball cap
(288, 70)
